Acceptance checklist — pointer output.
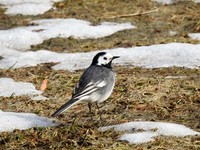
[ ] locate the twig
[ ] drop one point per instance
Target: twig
(134, 14)
(86, 133)
(73, 122)
(13, 65)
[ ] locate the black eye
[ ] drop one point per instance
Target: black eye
(105, 58)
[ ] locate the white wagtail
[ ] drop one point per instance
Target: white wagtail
(95, 85)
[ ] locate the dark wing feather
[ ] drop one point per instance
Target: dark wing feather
(92, 74)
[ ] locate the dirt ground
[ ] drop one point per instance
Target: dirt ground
(163, 94)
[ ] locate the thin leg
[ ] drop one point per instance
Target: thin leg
(99, 111)
(89, 106)
(90, 110)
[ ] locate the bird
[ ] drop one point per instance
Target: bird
(95, 84)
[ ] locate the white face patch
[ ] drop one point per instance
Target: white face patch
(105, 59)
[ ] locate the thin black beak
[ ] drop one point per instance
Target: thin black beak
(114, 57)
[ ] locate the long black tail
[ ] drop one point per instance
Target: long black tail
(64, 107)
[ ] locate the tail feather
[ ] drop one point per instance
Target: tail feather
(64, 107)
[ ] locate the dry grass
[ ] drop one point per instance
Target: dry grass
(147, 94)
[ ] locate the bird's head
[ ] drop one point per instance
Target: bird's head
(103, 59)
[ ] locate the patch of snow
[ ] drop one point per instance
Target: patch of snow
(138, 138)
(37, 97)
(154, 56)
(175, 77)
(195, 36)
(14, 2)
(162, 55)
(77, 28)
(27, 7)
(19, 38)
(172, 1)
(150, 130)
(164, 1)
(172, 33)
(9, 87)
(10, 121)
(51, 28)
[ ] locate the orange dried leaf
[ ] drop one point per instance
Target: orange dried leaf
(43, 85)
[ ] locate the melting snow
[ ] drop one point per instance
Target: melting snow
(9, 87)
(154, 56)
(52, 28)
(164, 1)
(12, 45)
(10, 121)
(175, 77)
(195, 36)
(138, 138)
(150, 130)
(27, 7)
(172, 1)
(172, 33)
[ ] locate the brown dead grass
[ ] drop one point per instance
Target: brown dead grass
(139, 94)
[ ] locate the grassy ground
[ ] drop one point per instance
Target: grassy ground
(166, 94)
